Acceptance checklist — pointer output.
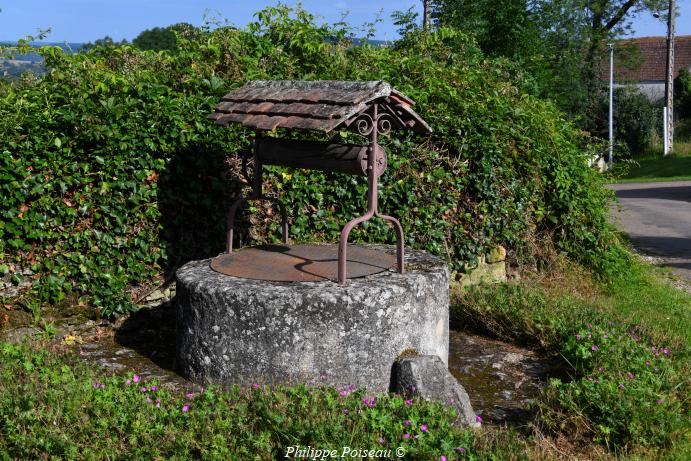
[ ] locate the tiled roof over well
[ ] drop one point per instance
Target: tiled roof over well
(318, 105)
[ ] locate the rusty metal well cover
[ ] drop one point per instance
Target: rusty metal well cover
(301, 263)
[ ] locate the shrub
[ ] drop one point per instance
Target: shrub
(110, 173)
(682, 93)
(635, 120)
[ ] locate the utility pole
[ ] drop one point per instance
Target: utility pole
(669, 81)
(611, 105)
(426, 21)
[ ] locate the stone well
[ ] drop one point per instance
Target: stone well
(239, 330)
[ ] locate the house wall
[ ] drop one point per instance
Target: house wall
(653, 90)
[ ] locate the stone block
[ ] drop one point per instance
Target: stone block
(496, 255)
(483, 273)
(428, 377)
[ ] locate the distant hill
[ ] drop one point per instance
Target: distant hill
(12, 66)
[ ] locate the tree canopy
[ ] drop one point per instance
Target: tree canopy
(156, 39)
(560, 42)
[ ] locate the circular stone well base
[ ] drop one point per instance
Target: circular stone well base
(238, 330)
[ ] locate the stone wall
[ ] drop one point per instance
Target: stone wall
(490, 268)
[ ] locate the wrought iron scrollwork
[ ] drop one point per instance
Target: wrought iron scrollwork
(384, 123)
(364, 124)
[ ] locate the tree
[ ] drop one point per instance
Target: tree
(560, 40)
(575, 34)
(156, 39)
(185, 29)
(588, 24)
(406, 21)
(105, 42)
(503, 28)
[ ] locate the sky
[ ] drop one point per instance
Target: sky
(87, 20)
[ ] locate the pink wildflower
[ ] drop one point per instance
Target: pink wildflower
(407, 422)
(478, 419)
(409, 402)
(423, 428)
(369, 402)
(406, 436)
(185, 408)
(135, 378)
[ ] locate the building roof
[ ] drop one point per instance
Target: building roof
(652, 58)
(317, 105)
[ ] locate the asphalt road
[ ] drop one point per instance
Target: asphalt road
(657, 217)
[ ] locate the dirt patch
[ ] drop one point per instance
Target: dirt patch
(501, 379)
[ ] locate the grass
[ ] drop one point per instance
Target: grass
(642, 296)
(53, 406)
(653, 167)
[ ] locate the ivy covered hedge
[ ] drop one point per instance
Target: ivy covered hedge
(111, 175)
